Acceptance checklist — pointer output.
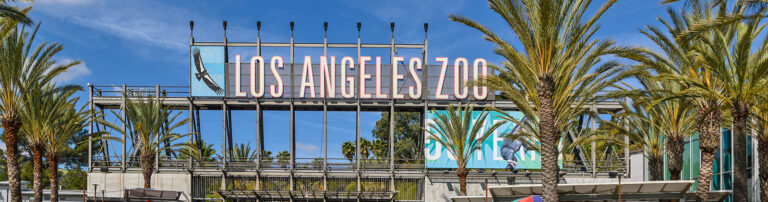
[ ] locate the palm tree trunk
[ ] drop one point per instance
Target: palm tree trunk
(462, 173)
(656, 168)
(11, 127)
(37, 173)
(762, 152)
(147, 167)
(550, 135)
(675, 147)
(740, 114)
(53, 164)
(709, 141)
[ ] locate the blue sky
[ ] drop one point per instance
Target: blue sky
(146, 43)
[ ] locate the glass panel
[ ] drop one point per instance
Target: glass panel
(715, 182)
(695, 166)
(727, 181)
(686, 174)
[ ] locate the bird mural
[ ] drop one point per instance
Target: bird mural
(202, 73)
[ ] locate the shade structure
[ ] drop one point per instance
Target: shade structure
(638, 191)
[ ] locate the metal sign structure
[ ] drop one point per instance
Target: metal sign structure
(219, 84)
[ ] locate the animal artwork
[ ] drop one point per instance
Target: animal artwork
(202, 73)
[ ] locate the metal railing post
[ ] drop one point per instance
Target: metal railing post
(123, 165)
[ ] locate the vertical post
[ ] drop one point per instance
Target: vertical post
(224, 151)
(292, 164)
(593, 147)
(293, 86)
(357, 115)
(123, 166)
(424, 70)
(191, 131)
(226, 60)
(157, 137)
(293, 117)
(325, 115)
(392, 144)
(627, 165)
(259, 144)
(90, 127)
(325, 145)
(393, 91)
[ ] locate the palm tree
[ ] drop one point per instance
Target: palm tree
(550, 76)
(642, 127)
(379, 149)
(461, 135)
(200, 152)
(728, 53)
(68, 123)
(365, 148)
(152, 125)
(760, 125)
(348, 149)
(682, 61)
(243, 152)
(22, 68)
(44, 107)
(283, 158)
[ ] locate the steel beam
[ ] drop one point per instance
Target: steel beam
(123, 166)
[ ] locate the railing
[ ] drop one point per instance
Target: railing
(617, 165)
(274, 163)
(242, 163)
(106, 161)
(309, 163)
(341, 164)
(144, 91)
(169, 162)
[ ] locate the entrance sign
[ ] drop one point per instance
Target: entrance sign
(496, 151)
(369, 77)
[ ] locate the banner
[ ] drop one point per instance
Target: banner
(207, 71)
(496, 151)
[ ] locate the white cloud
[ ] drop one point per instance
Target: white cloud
(73, 72)
(307, 148)
(155, 26)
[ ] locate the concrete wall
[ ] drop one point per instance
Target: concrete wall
(114, 183)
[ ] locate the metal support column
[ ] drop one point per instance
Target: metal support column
(393, 91)
(357, 114)
(157, 137)
(325, 115)
(293, 119)
(392, 144)
(123, 166)
(592, 125)
(224, 152)
(90, 127)
(191, 132)
(424, 70)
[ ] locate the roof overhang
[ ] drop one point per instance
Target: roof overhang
(650, 190)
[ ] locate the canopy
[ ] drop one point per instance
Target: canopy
(650, 190)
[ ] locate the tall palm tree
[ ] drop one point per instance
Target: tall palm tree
(675, 116)
(642, 127)
(44, 107)
(348, 149)
(760, 125)
(68, 123)
(243, 152)
(22, 67)
(681, 60)
(461, 135)
(550, 76)
(200, 152)
(152, 125)
(729, 53)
